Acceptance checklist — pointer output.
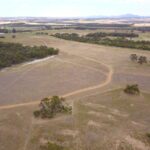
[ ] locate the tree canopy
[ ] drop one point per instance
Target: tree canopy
(132, 89)
(118, 40)
(49, 107)
(14, 53)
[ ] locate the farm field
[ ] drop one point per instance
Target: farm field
(91, 78)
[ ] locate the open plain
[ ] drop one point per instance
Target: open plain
(91, 78)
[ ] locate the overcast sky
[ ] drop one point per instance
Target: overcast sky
(73, 8)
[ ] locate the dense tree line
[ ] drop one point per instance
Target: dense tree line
(13, 30)
(142, 29)
(41, 33)
(13, 53)
(96, 39)
(4, 31)
(115, 34)
(119, 42)
(100, 25)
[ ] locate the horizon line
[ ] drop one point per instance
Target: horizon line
(96, 16)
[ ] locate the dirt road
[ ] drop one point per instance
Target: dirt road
(106, 82)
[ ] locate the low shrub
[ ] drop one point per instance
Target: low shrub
(51, 106)
(148, 135)
(36, 113)
(132, 89)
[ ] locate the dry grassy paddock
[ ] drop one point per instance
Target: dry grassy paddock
(86, 74)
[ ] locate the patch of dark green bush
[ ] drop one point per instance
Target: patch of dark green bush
(49, 107)
(132, 89)
(142, 59)
(37, 113)
(134, 57)
(14, 53)
(139, 59)
(148, 135)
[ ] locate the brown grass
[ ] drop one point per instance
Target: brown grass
(99, 121)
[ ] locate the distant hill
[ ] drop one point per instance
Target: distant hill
(124, 16)
(130, 16)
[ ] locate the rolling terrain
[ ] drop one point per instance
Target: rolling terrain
(91, 78)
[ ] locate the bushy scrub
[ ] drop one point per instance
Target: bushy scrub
(132, 89)
(148, 135)
(49, 107)
(12, 53)
(139, 59)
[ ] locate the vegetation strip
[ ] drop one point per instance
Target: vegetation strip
(12, 53)
(100, 38)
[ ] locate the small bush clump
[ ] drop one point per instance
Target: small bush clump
(148, 135)
(134, 57)
(139, 59)
(132, 89)
(37, 113)
(142, 59)
(49, 107)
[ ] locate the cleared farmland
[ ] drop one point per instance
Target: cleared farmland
(110, 119)
(85, 74)
(55, 76)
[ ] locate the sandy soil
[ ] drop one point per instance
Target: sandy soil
(33, 82)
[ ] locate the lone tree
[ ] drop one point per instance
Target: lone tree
(142, 59)
(134, 57)
(132, 89)
(51, 106)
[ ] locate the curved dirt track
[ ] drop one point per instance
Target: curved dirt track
(107, 81)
